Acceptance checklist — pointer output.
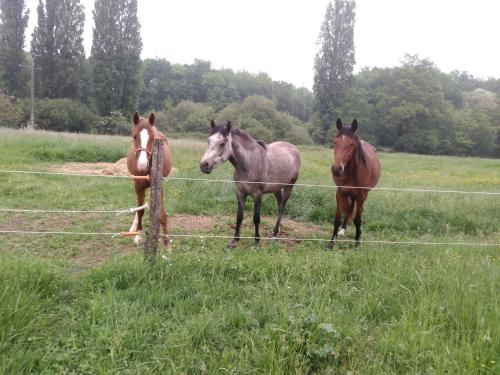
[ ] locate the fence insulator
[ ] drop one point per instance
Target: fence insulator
(140, 177)
(130, 234)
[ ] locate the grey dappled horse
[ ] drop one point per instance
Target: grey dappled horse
(258, 169)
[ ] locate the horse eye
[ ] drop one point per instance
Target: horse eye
(222, 145)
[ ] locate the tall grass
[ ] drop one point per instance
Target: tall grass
(269, 312)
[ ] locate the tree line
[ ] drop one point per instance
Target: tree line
(410, 108)
(413, 107)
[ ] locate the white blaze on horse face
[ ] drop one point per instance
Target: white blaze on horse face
(142, 162)
(217, 151)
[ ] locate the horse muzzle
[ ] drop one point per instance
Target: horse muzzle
(205, 167)
(337, 170)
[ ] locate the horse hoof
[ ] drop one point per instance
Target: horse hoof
(330, 244)
(167, 243)
(137, 240)
(341, 232)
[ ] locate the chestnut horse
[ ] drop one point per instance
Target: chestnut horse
(356, 164)
(139, 164)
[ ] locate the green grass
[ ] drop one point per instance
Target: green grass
(79, 304)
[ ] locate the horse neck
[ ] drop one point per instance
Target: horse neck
(245, 155)
(356, 165)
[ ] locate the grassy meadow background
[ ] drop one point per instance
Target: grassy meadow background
(89, 304)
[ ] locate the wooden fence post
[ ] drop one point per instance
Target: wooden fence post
(156, 182)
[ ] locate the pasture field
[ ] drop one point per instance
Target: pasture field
(89, 304)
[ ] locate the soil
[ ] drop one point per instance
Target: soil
(97, 250)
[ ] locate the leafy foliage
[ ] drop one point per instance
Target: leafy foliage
(115, 124)
(11, 114)
(13, 62)
(333, 64)
(64, 115)
(116, 49)
(417, 108)
(256, 114)
(166, 83)
(58, 48)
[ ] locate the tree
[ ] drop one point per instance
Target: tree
(157, 77)
(333, 65)
(116, 50)
(57, 44)
(14, 19)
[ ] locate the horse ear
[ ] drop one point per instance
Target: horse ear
(228, 127)
(354, 125)
(212, 123)
(136, 118)
(339, 124)
(152, 118)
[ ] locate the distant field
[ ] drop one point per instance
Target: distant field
(88, 304)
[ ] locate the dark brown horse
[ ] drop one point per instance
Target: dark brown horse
(258, 169)
(356, 164)
(139, 164)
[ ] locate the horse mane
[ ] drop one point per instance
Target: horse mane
(159, 135)
(359, 146)
(246, 137)
(262, 144)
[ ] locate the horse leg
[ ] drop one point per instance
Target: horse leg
(241, 197)
(137, 223)
(348, 213)
(357, 220)
(287, 191)
(336, 223)
(279, 199)
(163, 222)
(257, 202)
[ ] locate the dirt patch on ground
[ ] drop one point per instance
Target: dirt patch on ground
(192, 223)
(108, 169)
(91, 256)
(115, 169)
(90, 251)
(184, 223)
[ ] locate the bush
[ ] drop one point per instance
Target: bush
(115, 124)
(11, 114)
(64, 115)
(256, 129)
(298, 135)
(188, 114)
(260, 118)
(231, 112)
(256, 114)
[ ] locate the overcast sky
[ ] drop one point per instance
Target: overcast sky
(279, 36)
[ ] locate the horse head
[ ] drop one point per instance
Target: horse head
(345, 144)
(143, 135)
(219, 148)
